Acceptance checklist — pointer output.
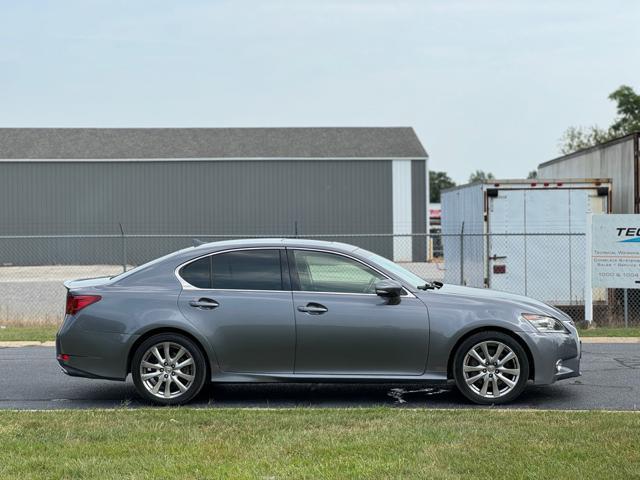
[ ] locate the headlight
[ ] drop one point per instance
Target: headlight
(545, 324)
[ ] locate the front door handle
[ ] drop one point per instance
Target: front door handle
(313, 308)
(204, 303)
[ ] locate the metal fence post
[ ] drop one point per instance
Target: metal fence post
(588, 280)
(626, 308)
(124, 248)
(462, 254)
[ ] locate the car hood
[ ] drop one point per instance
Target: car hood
(485, 295)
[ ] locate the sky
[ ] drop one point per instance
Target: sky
(488, 85)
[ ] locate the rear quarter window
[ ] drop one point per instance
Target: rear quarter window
(198, 273)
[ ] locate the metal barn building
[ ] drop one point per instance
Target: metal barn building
(197, 182)
(618, 160)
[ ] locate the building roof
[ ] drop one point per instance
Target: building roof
(593, 148)
(204, 143)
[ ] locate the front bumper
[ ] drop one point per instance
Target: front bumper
(556, 356)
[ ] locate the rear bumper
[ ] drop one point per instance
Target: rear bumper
(74, 372)
(94, 354)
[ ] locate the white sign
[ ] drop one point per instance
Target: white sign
(615, 251)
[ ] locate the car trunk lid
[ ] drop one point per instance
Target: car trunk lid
(86, 282)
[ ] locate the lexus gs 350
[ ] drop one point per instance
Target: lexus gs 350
(288, 310)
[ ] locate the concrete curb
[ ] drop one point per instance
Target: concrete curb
(19, 344)
(610, 339)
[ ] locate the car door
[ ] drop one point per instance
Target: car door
(344, 328)
(241, 300)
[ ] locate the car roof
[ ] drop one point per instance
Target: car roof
(276, 242)
(173, 260)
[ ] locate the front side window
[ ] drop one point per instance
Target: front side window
(327, 272)
(238, 270)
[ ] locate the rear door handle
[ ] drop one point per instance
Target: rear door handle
(204, 303)
(313, 308)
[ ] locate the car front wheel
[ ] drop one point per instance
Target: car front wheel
(491, 368)
(168, 369)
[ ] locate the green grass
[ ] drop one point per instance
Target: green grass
(611, 332)
(35, 333)
(318, 443)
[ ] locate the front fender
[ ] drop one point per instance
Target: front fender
(445, 338)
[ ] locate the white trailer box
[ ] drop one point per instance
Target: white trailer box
(521, 236)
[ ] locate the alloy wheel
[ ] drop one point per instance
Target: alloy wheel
(491, 369)
(167, 370)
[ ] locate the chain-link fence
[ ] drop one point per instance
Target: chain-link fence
(548, 267)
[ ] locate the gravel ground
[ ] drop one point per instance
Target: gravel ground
(36, 294)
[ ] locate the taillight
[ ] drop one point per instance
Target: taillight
(75, 303)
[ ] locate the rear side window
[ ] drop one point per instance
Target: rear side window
(198, 273)
(247, 270)
(240, 270)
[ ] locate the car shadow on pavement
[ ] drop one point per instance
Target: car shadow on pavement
(345, 395)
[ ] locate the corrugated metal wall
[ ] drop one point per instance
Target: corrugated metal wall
(614, 161)
(464, 204)
(419, 208)
(192, 198)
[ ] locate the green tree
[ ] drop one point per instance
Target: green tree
(438, 181)
(533, 174)
(628, 107)
(480, 175)
(626, 121)
(577, 138)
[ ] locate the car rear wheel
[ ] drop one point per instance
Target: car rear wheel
(491, 368)
(168, 369)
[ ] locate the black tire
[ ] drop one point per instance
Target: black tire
(470, 391)
(176, 342)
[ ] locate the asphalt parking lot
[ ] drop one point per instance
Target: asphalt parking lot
(32, 380)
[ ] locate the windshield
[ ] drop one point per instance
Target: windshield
(402, 273)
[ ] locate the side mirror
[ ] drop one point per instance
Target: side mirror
(389, 289)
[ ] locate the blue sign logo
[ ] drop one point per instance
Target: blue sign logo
(632, 234)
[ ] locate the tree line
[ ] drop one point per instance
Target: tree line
(627, 121)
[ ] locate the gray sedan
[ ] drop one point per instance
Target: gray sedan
(306, 311)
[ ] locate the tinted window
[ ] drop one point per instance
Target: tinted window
(247, 270)
(198, 273)
(325, 272)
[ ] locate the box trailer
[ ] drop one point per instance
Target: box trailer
(522, 236)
